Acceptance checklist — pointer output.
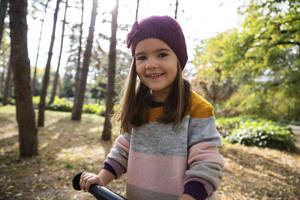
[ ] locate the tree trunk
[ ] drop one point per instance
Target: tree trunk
(176, 9)
(137, 9)
(41, 117)
(59, 58)
(7, 84)
(28, 141)
(78, 68)
(106, 134)
(3, 8)
(76, 115)
(38, 49)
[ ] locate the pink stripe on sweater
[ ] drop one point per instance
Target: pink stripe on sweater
(122, 143)
(205, 152)
(156, 173)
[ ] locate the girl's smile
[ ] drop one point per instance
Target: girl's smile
(156, 66)
(154, 76)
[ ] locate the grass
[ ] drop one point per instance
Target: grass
(67, 147)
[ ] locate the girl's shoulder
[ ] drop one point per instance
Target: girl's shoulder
(199, 107)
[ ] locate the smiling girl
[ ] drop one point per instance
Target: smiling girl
(169, 142)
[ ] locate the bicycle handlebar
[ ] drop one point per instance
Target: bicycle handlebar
(99, 192)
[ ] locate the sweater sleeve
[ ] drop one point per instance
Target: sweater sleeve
(205, 163)
(117, 158)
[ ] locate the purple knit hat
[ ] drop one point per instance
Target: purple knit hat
(164, 28)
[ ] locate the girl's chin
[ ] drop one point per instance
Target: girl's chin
(159, 89)
(158, 86)
(156, 89)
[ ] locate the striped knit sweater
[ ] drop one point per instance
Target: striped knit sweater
(159, 160)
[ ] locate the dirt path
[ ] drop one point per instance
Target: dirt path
(296, 131)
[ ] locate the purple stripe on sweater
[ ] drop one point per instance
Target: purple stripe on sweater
(117, 168)
(110, 169)
(196, 190)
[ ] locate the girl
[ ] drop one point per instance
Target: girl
(168, 145)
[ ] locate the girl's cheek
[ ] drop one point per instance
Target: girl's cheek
(139, 66)
(138, 69)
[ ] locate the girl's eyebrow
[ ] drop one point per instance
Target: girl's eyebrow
(157, 50)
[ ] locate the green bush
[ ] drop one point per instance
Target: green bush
(11, 101)
(225, 125)
(60, 104)
(93, 108)
(263, 134)
(36, 101)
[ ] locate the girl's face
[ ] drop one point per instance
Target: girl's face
(156, 66)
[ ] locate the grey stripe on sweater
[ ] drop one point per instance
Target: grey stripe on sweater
(160, 139)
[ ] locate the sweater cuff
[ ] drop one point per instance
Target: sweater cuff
(196, 190)
(110, 169)
(208, 186)
(115, 168)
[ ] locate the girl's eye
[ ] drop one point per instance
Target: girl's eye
(141, 57)
(161, 55)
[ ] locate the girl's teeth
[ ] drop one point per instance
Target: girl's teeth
(153, 75)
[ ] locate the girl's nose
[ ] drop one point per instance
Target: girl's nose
(151, 64)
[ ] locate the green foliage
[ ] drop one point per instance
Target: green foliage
(253, 131)
(11, 101)
(94, 108)
(61, 104)
(263, 135)
(261, 59)
(36, 101)
(226, 125)
(259, 101)
(212, 57)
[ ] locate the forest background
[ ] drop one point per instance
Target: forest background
(255, 60)
(252, 67)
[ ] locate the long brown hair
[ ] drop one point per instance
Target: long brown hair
(133, 110)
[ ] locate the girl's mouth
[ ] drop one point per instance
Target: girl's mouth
(154, 76)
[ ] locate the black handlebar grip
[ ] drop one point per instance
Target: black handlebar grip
(100, 192)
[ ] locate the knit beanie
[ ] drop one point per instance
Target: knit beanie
(164, 28)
